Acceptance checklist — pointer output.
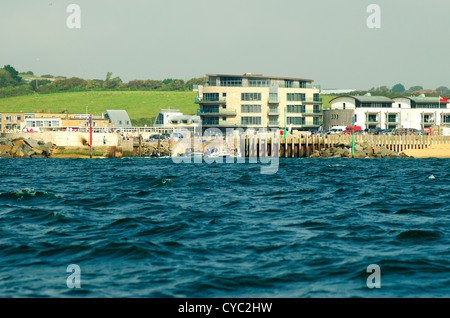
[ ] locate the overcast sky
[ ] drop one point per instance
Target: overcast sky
(324, 40)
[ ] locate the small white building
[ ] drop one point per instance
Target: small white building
(173, 118)
(373, 112)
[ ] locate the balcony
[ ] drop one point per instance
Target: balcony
(372, 120)
(273, 111)
(317, 100)
(314, 113)
(428, 121)
(218, 112)
(273, 100)
(273, 123)
(201, 100)
(240, 84)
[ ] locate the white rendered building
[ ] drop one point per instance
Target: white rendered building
(403, 112)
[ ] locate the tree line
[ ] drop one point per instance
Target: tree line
(399, 89)
(12, 83)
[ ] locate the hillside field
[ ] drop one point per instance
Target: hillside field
(142, 106)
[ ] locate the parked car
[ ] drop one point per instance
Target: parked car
(399, 131)
(386, 131)
(348, 130)
(360, 132)
(374, 131)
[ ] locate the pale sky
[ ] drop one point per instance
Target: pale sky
(324, 40)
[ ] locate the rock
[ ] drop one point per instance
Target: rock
(19, 154)
(5, 155)
(315, 154)
(32, 143)
(5, 148)
(37, 156)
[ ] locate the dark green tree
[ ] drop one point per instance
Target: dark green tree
(17, 80)
(398, 88)
(415, 88)
(442, 90)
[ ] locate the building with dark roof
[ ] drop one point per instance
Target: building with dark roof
(119, 118)
(372, 112)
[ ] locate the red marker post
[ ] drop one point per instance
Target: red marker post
(90, 132)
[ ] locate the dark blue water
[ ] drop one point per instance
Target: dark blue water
(153, 228)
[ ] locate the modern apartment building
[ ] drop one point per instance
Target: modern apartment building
(373, 112)
(257, 101)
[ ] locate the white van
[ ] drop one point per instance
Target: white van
(338, 129)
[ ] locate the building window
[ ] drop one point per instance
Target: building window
(343, 105)
(296, 109)
(224, 118)
(250, 96)
(210, 108)
(399, 105)
(120, 122)
(250, 120)
(224, 106)
(211, 121)
(224, 94)
(159, 119)
(8, 118)
(258, 82)
(18, 118)
(231, 81)
(250, 108)
(288, 83)
(392, 118)
(211, 97)
(297, 97)
(296, 121)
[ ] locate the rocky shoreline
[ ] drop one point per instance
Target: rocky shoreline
(24, 148)
(363, 150)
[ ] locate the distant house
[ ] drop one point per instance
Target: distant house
(119, 118)
(173, 118)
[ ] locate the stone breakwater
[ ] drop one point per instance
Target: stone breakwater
(363, 150)
(25, 148)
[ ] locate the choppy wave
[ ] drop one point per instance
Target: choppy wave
(152, 228)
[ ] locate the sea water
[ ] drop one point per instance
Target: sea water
(138, 227)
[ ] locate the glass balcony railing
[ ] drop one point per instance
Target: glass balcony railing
(239, 84)
(273, 111)
(199, 99)
(274, 100)
(220, 112)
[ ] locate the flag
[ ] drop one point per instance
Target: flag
(442, 99)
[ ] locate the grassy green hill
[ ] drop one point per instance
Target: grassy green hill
(142, 106)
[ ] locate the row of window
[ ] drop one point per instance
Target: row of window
(429, 105)
(254, 120)
(8, 118)
(256, 82)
